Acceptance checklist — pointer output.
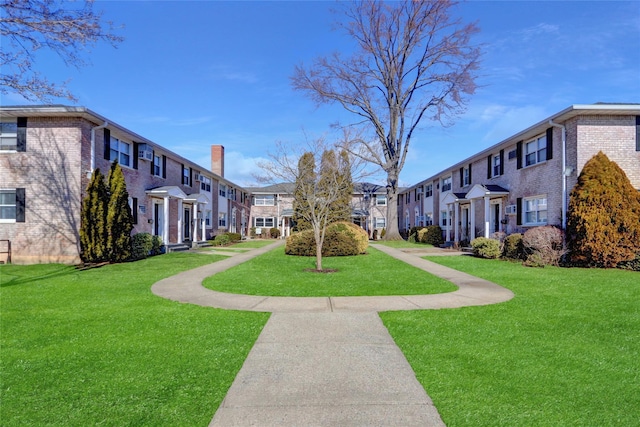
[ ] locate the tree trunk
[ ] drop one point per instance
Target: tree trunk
(392, 233)
(318, 249)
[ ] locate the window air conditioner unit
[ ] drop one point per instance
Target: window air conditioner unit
(511, 210)
(145, 152)
(419, 190)
(199, 177)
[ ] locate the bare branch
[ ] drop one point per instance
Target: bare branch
(27, 26)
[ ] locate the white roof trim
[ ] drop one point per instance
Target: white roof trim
(169, 191)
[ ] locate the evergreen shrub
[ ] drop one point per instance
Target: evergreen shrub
(142, 245)
(341, 239)
(486, 248)
(603, 228)
(274, 233)
(431, 235)
(513, 247)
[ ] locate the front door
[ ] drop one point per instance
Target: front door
(187, 224)
(158, 219)
(495, 217)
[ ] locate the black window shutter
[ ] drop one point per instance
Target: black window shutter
(190, 176)
(461, 177)
(152, 163)
(134, 209)
(469, 173)
(135, 155)
(519, 211)
(549, 143)
(107, 144)
(501, 162)
(519, 154)
(637, 133)
(164, 166)
(20, 204)
(489, 166)
(21, 137)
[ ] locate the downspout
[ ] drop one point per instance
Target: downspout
(564, 172)
(93, 144)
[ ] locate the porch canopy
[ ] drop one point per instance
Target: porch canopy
(486, 192)
(167, 193)
(454, 199)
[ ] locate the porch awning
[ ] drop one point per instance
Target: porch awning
(287, 212)
(196, 198)
(479, 191)
(168, 191)
(357, 213)
(454, 197)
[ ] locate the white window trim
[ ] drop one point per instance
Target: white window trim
(446, 181)
(264, 198)
(495, 164)
(12, 135)
(120, 153)
(536, 152)
(381, 200)
(159, 165)
(15, 206)
(264, 221)
(379, 220)
(524, 211)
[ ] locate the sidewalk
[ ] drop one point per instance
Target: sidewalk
(327, 361)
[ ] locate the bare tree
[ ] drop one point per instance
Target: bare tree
(27, 26)
(413, 60)
(316, 189)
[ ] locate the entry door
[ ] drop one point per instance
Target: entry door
(158, 220)
(465, 223)
(187, 224)
(495, 217)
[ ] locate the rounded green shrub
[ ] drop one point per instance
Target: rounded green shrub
(431, 235)
(341, 239)
(513, 247)
(486, 248)
(141, 245)
(234, 237)
(274, 233)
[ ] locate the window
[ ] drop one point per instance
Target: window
(535, 210)
(428, 219)
(264, 200)
(263, 222)
(446, 184)
(381, 200)
(536, 151)
(443, 216)
(222, 219)
(428, 190)
(12, 205)
(157, 165)
(231, 195)
(207, 219)
(379, 222)
(418, 220)
(407, 222)
(120, 151)
(466, 176)
(9, 136)
(222, 190)
(186, 176)
(205, 183)
(495, 165)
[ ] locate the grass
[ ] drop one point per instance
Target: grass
(96, 347)
(277, 274)
(565, 351)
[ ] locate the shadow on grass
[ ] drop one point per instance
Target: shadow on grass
(13, 275)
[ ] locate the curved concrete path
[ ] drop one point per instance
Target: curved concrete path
(187, 287)
(327, 361)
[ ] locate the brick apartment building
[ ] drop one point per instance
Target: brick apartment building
(525, 180)
(272, 207)
(47, 155)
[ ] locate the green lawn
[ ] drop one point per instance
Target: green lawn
(96, 347)
(564, 352)
(277, 274)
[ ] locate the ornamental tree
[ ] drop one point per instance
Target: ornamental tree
(93, 228)
(119, 217)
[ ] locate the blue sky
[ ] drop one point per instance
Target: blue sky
(194, 73)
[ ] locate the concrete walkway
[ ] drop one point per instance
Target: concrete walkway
(327, 361)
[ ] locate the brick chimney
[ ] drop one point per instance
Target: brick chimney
(217, 159)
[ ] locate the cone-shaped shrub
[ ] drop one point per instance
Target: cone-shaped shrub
(603, 219)
(119, 217)
(93, 227)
